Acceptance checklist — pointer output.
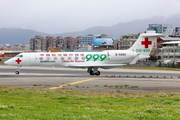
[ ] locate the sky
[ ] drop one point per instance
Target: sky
(60, 16)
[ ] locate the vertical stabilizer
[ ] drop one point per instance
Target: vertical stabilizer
(145, 42)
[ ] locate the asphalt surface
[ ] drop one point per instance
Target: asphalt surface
(124, 80)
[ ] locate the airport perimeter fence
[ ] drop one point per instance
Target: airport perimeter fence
(157, 64)
(145, 64)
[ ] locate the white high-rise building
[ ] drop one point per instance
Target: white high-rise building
(161, 28)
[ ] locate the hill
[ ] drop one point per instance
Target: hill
(17, 35)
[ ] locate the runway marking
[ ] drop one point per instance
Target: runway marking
(72, 83)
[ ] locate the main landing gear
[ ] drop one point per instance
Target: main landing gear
(93, 71)
(18, 70)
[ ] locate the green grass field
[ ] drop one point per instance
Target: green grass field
(43, 104)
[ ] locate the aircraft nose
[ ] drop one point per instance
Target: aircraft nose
(7, 62)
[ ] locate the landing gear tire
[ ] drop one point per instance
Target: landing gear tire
(17, 72)
(91, 72)
(98, 73)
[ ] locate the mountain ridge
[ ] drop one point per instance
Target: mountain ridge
(18, 35)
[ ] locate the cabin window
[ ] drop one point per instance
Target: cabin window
(55, 58)
(69, 58)
(62, 58)
(83, 58)
(76, 58)
(41, 58)
(48, 58)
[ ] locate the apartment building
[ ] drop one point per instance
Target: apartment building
(39, 43)
(87, 39)
(50, 42)
(169, 49)
(60, 42)
(126, 41)
(177, 31)
(161, 28)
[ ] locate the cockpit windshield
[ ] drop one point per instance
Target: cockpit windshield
(19, 55)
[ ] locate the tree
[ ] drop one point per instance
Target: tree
(159, 64)
(153, 58)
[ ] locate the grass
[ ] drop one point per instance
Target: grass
(43, 104)
(121, 86)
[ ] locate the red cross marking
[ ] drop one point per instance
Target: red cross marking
(18, 61)
(146, 43)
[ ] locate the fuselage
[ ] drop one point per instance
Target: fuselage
(66, 59)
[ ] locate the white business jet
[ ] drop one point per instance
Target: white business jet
(90, 60)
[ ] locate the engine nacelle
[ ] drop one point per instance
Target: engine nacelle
(121, 55)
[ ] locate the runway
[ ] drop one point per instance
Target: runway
(67, 78)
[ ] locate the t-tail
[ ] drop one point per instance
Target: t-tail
(144, 44)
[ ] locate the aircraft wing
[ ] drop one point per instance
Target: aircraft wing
(104, 66)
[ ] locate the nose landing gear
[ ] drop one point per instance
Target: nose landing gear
(18, 70)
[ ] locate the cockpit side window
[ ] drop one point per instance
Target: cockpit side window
(19, 55)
